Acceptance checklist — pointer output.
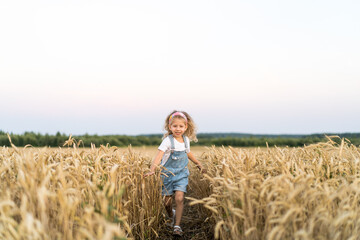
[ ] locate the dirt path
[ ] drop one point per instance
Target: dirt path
(193, 223)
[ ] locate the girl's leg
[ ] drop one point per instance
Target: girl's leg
(179, 200)
(168, 205)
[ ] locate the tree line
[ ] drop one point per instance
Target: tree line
(217, 139)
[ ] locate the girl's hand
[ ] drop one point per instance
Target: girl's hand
(149, 174)
(201, 168)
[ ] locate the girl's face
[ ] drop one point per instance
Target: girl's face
(178, 127)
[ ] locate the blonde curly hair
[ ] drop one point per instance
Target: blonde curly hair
(191, 127)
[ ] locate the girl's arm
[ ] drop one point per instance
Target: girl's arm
(198, 164)
(156, 162)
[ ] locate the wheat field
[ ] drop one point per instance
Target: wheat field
(312, 192)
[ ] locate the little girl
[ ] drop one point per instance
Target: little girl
(173, 155)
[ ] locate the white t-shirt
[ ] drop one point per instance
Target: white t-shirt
(165, 146)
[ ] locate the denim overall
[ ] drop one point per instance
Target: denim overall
(175, 171)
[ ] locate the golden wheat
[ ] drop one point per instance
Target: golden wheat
(72, 193)
(284, 193)
(311, 192)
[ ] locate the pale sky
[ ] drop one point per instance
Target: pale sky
(119, 67)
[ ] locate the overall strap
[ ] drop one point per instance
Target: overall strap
(172, 143)
(186, 143)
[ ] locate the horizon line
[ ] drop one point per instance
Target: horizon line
(199, 133)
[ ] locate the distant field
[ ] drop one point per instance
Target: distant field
(210, 139)
(151, 151)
